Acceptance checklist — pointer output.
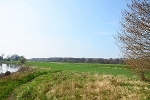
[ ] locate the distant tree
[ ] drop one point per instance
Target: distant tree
(2, 56)
(111, 61)
(8, 58)
(15, 57)
(22, 60)
(134, 36)
(64, 60)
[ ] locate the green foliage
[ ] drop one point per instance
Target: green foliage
(22, 60)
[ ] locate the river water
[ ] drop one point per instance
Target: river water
(8, 67)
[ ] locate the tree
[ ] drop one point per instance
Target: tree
(2, 56)
(8, 58)
(22, 60)
(15, 57)
(134, 36)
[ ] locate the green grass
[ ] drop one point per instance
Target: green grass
(9, 83)
(115, 69)
(73, 81)
(65, 85)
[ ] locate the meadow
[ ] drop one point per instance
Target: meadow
(115, 69)
(73, 81)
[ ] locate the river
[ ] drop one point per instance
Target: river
(8, 67)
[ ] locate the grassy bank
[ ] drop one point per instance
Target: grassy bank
(70, 81)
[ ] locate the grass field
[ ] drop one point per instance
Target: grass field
(73, 81)
(114, 69)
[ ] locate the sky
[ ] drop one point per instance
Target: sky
(60, 28)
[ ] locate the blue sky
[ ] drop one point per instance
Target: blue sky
(60, 28)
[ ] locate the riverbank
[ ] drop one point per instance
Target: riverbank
(5, 74)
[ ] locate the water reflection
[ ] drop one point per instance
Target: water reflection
(8, 67)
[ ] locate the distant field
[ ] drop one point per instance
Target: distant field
(114, 69)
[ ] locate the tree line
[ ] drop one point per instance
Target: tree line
(14, 57)
(81, 60)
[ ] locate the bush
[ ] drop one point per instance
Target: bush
(22, 60)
